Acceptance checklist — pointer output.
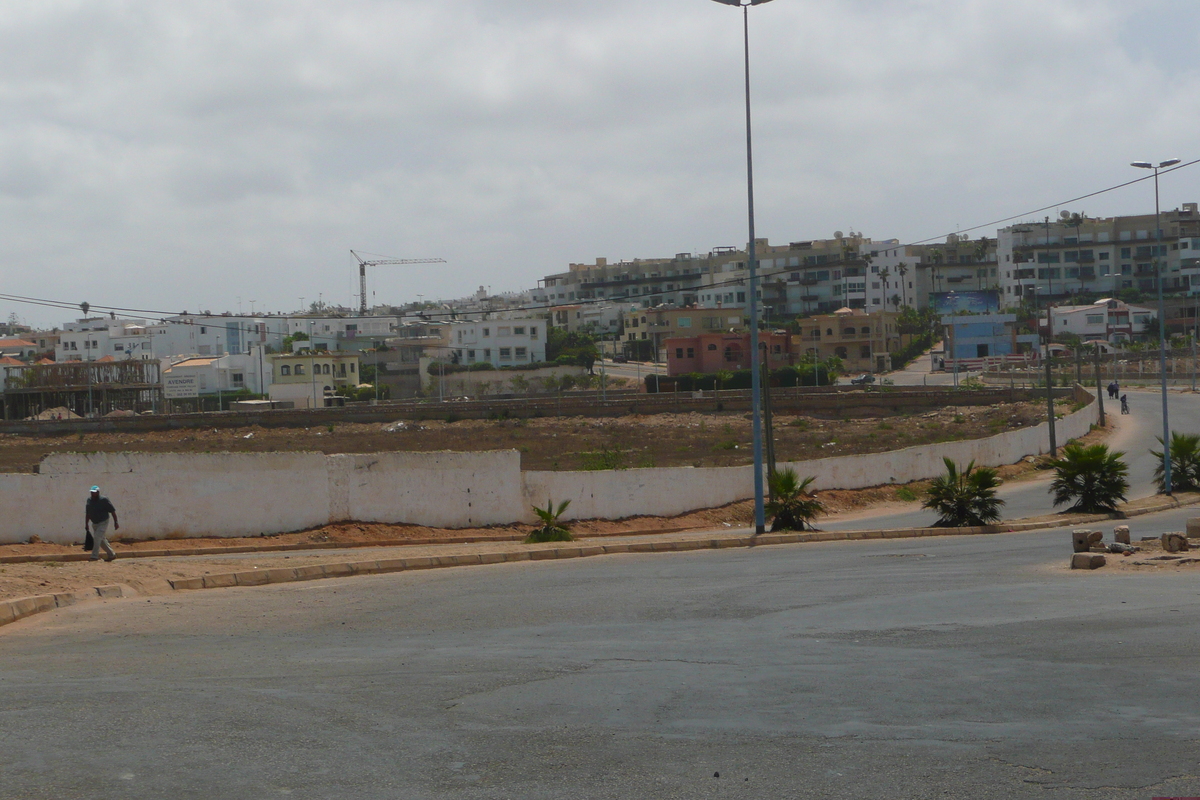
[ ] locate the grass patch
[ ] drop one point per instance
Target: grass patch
(906, 494)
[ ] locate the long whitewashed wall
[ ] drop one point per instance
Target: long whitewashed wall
(234, 494)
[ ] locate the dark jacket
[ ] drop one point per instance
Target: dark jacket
(98, 508)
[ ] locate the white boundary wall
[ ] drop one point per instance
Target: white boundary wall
(235, 494)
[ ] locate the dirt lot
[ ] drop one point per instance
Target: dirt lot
(659, 440)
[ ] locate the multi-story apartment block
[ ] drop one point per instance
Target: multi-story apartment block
(863, 341)
(1057, 258)
(599, 319)
(1109, 320)
(500, 342)
(657, 325)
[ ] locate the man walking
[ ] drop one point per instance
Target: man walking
(98, 510)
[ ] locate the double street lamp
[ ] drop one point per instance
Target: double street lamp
(1162, 318)
(760, 525)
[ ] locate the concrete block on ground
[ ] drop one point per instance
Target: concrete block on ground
(392, 565)
(252, 577)
(1193, 528)
(609, 549)
(491, 558)
(1082, 539)
(7, 614)
(1087, 561)
(418, 562)
(187, 583)
(1121, 533)
(281, 575)
(220, 581)
(1174, 542)
(311, 572)
(64, 599)
(110, 590)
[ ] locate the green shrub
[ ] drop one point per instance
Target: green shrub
(1094, 477)
(552, 528)
(965, 497)
(793, 506)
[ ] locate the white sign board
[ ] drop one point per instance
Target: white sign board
(176, 387)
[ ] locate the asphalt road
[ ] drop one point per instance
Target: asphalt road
(957, 667)
(1029, 498)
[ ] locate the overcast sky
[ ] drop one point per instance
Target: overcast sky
(181, 155)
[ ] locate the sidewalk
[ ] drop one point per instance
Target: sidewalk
(61, 583)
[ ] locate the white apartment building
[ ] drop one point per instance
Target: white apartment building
(1055, 258)
(331, 330)
(501, 342)
(93, 338)
(1109, 320)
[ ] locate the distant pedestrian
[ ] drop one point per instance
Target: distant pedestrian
(98, 510)
(1124, 404)
(1112, 390)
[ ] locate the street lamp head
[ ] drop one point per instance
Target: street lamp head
(740, 3)
(1142, 164)
(1170, 162)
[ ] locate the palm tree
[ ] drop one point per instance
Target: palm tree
(982, 247)
(553, 529)
(937, 257)
(965, 497)
(793, 506)
(1093, 476)
(902, 268)
(884, 274)
(1185, 462)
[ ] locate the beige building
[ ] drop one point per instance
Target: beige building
(656, 325)
(864, 342)
(310, 377)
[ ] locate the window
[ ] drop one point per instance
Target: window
(237, 379)
(691, 352)
(505, 353)
(487, 354)
(840, 352)
(325, 370)
(684, 322)
(679, 352)
(519, 330)
(120, 348)
(865, 329)
(285, 370)
(487, 331)
(864, 351)
(343, 370)
(299, 370)
(712, 347)
(1095, 319)
(351, 367)
(522, 354)
(533, 330)
(203, 330)
(504, 331)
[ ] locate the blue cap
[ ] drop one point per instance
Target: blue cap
(95, 489)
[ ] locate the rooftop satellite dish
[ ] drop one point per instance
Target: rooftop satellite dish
(1064, 215)
(837, 234)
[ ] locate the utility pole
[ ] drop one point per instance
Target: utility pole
(1099, 392)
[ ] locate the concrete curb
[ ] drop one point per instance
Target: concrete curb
(21, 607)
(13, 610)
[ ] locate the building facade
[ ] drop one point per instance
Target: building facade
(863, 341)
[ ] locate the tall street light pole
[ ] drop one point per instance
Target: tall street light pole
(760, 525)
(1162, 318)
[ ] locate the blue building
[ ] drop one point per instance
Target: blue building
(973, 340)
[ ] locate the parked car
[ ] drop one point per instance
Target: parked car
(620, 359)
(863, 380)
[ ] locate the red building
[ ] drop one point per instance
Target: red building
(714, 352)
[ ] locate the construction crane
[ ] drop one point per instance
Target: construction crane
(363, 263)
